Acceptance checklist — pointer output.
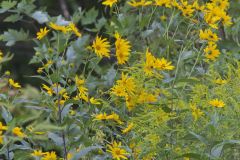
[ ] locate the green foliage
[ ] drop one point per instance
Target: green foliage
(12, 36)
(136, 82)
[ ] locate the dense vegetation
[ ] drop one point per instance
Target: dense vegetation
(120, 79)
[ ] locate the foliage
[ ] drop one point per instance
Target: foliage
(154, 80)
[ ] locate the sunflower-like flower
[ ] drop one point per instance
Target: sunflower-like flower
(101, 47)
(14, 84)
(109, 2)
(122, 49)
(42, 33)
(117, 151)
(217, 103)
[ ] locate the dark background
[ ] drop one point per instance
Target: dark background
(23, 51)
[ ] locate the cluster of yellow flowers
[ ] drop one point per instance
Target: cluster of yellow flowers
(44, 155)
(70, 28)
(101, 47)
(51, 155)
(58, 90)
(17, 131)
(127, 87)
(134, 88)
(155, 63)
(196, 112)
(45, 66)
(211, 51)
(213, 11)
(82, 92)
(104, 116)
(2, 128)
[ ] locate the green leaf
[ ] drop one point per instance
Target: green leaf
(90, 16)
(6, 115)
(56, 138)
(12, 36)
(13, 18)
(85, 151)
(199, 137)
(6, 5)
(65, 110)
(40, 16)
(100, 23)
(80, 43)
(55, 77)
(218, 148)
(26, 6)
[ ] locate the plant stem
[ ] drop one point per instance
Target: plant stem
(8, 156)
(60, 122)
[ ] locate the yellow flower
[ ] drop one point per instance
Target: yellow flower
(220, 81)
(217, 103)
(145, 97)
(186, 9)
(82, 96)
(79, 82)
(150, 63)
(197, 6)
(216, 11)
(49, 63)
(196, 113)
(208, 35)
(122, 49)
(166, 3)
(1, 55)
(222, 4)
(56, 27)
(131, 101)
(50, 156)
(37, 153)
(94, 101)
(1, 138)
(83, 91)
(129, 127)
(13, 84)
(227, 20)
(109, 2)
(118, 90)
(48, 89)
(114, 117)
(117, 151)
(2, 127)
(211, 51)
(17, 131)
(101, 116)
(101, 47)
(69, 156)
(40, 70)
(133, 3)
(163, 64)
(42, 33)
(163, 18)
(73, 28)
(7, 73)
(126, 85)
